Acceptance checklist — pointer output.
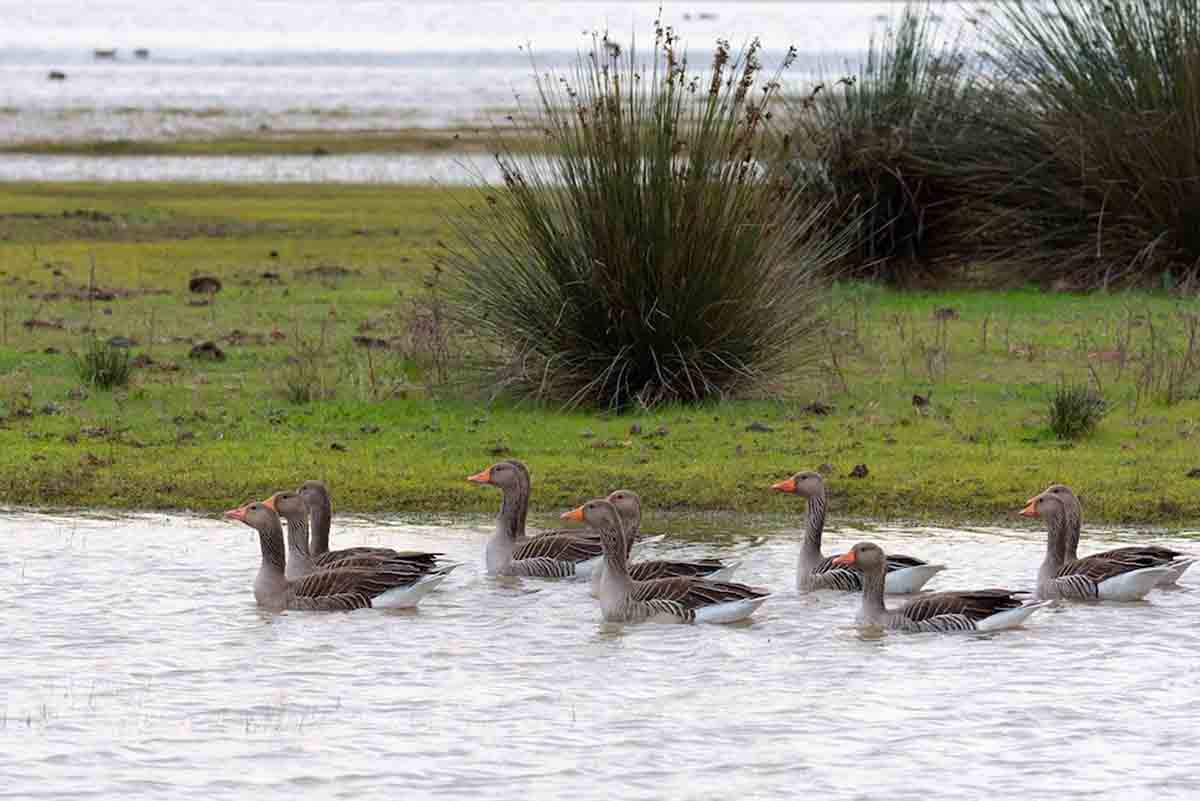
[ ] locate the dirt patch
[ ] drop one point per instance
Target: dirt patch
(208, 351)
(329, 271)
(204, 285)
(80, 292)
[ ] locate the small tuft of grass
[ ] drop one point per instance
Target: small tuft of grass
(102, 365)
(1075, 410)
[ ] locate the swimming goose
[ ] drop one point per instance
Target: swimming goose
(629, 506)
(510, 552)
(1123, 574)
(320, 510)
(814, 571)
(1178, 560)
(336, 589)
(975, 610)
(682, 599)
(292, 507)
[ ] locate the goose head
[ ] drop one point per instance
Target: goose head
(601, 515)
(865, 556)
(1055, 503)
(256, 515)
(806, 484)
(507, 475)
(628, 504)
(288, 505)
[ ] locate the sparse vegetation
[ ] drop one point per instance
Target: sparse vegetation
(102, 364)
(655, 256)
(1074, 411)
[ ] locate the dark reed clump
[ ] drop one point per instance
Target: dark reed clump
(1097, 182)
(878, 144)
(656, 254)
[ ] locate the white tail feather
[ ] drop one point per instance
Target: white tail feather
(1178, 568)
(729, 611)
(1010, 618)
(409, 596)
(725, 573)
(908, 580)
(1134, 585)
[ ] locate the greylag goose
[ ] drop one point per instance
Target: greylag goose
(629, 506)
(682, 599)
(510, 553)
(1073, 510)
(974, 610)
(1123, 574)
(292, 507)
(337, 589)
(815, 571)
(320, 510)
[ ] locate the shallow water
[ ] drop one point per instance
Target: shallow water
(229, 66)
(136, 665)
(358, 168)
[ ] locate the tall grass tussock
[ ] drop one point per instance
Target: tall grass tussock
(876, 143)
(1106, 175)
(657, 254)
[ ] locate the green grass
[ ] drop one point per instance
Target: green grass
(456, 139)
(212, 434)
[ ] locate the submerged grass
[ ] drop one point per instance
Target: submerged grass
(201, 434)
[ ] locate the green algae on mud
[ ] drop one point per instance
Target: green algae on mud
(305, 270)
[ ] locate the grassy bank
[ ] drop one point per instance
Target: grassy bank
(455, 139)
(305, 269)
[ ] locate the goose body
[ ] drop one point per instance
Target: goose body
(629, 506)
(302, 561)
(510, 552)
(624, 599)
(294, 509)
(944, 612)
(1120, 574)
(336, 589)
(814, 571)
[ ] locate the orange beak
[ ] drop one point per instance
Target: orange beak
(575, 514)
(847, 558)
(270, 504)
(788, 485)
(1030, 509)
(482, 477)
(237, 514)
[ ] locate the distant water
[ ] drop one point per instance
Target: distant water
(228, 66)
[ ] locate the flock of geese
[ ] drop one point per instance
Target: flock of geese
(310, 576)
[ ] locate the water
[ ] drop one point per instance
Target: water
(233, 65)
(358, 168)
(136, 665)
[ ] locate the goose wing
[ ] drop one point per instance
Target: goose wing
(368, 581)
(560, 547)
(663, 568)
(693, 593)
(427, 561)
(974, 605)
(1101, 566)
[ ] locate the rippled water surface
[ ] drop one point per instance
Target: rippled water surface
(136, 665)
